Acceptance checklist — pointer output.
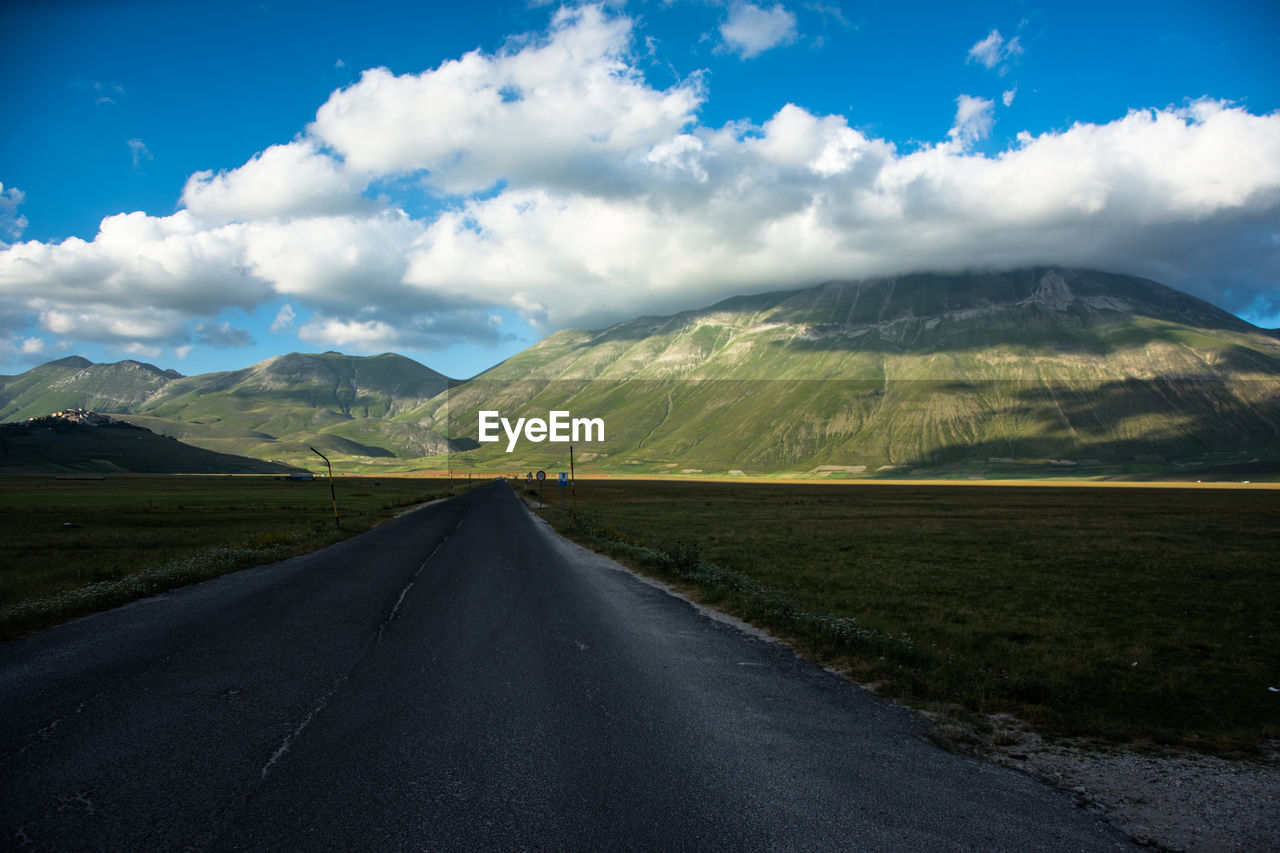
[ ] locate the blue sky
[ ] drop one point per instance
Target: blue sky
(204, 186)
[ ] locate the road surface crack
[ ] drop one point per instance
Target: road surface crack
(306, 721)
(48, 732)
(396, 607)
(288, 742)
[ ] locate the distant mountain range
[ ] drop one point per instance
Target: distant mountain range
(975, 374)
(276, 409)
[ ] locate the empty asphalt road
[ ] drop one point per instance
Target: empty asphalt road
(462, 679)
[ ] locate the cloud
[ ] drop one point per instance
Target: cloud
(105, 91)
(284, 319)
(994, 50)
(987, 51)
(803, 198)
(750, 30)
(108, 324)
(283, 181)
(141, 279)
(12, 224)
(139, 151)
(222, 335)
(1008, 95)
(569, 190)
(567, 110)
(136, 261)
(16, 349)
(337, 263)
(142, 350)
(973, 122)
(423, 331)
(366, 335)
(825, 12)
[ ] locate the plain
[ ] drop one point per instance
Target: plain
(75, 545)
(1132, 614)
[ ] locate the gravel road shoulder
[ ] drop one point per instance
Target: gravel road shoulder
(1175, 801)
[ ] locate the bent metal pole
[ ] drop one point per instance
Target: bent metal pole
(332, 491)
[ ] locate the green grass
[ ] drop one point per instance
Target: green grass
(1127, 614)
(76, 546)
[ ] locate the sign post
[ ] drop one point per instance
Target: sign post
(332, 492)
(573, 489)
(542, 476)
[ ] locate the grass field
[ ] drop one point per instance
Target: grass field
(1129, 614)
(73, 546)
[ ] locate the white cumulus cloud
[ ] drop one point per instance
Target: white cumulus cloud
(142, 350)
(282, 181)
(566, 110)
(750, 30)
(137, 262)
(364, 335)
(105, 323)
(434, 330)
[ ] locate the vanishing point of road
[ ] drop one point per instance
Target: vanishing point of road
(463, 679)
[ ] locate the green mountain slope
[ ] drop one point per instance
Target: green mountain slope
(77, 383)
(909, 372)
(281, 406)
(276, 409)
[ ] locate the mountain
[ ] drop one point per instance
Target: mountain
(77, 383)
(80, 442)
(1075, 367)
(275, 409)
(279, 407)
(967, 375)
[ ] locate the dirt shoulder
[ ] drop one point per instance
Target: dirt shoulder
(1168, 800)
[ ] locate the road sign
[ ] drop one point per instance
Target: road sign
(542, 475)
(564, 478)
